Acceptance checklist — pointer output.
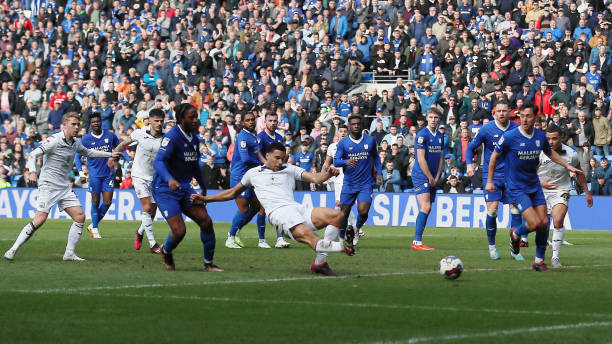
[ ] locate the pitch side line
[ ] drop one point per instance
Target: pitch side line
(455, 337)
(269, 280)
(347, 304)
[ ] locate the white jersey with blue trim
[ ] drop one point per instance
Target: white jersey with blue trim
(556, 174)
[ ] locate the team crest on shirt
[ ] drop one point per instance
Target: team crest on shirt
(537, 143)
(165, 142)
(501, 141)
(258, 140)
(243, 144)
(365, 146)
(105, 140)
(420, 140)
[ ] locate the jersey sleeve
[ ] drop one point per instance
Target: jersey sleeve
(374, 156)
(338, 161)
(574, 160)
(502, 145)
(160, 164)
(49, 144)
(114, 141)
(136, 135)
(420, 142)
(473, 145)
(243, 150)
(296, 171)
(246, 179)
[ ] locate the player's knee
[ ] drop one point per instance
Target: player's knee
(492, 212)
(206, 226)
(426, 208)
(79, 218)
(338, 219)
(146, 207)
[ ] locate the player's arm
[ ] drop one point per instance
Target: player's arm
(423, 165)
(121, 146)
(327, 163)
(320, 177)
(160, 164)
(339, 162)
(469, 153)
(78, 163)
(439, 170)
(377, 163)
(554, 156)
(222, 196)
(492, 164)
(245, 157)
(583, 183)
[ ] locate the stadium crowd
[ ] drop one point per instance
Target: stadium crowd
(305, 62)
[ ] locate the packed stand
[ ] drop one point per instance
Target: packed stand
(305, 62)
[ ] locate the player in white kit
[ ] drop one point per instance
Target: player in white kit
(337, 181)
(58, 153)
(148, 140)
(556, 183)
(273, 184)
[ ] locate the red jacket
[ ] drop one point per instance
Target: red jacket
(226, 132)
(543, 104)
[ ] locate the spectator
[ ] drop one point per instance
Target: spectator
(602, 133)
(454, 185)
(391, 179)
(603, 179)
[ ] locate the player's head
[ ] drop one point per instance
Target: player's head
(342, 131)
(71, 122)
(433, 118)
(528, 116)
(271, 122)
(502, 109)
(248, 121)
(156, 119)
(187, 117)
(275, 156)
(354, 125)
(554, 136)
(95, 120)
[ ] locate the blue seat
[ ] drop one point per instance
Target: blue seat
(478, 192)
(439, 191)
(598, 157)
(409, 190)
(609, 157)
(573, 193)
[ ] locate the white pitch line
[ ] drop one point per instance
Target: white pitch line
(456, 337)
(268, 280)
(348, 304)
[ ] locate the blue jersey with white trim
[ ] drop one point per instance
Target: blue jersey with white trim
(177, 158)
(245, 154)
(489, 134)
(106, 142)
(521, 153)
(265, 140)
(365, 152)
(432, 144)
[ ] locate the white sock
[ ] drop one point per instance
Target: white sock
(147, 227)
(557, 241)
(331, 233)
(25, 234)
(324, 246)
(538, 260)
(141, 228)
(492, 248)
(417, 242)
(74, 235)
(352, 219)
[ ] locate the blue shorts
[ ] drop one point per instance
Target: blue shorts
(173, 203)
(351, 193)
(422, 187)
(523, 201)
(499, 195)
(101, 184)
(248, 193)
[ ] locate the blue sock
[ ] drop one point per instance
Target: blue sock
(361, 219)
(261, 226)
(208, 241)
(515, 220)
(420, 226)
(541, 239)
(491, 224)
(94, 214)
(279, 235)
(521, 230)
(102, 210)
(170, 244)
(237, 222)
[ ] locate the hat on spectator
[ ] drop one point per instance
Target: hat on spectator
(306, 137)
(449, 156)
(526, 84)
(218, 128)
(379, 110)
(442, 126)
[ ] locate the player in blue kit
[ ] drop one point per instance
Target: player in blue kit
(426, 173)
(520, 150)
(101, 176)
(246, 156)
(358, 155)
(176, 164)
(266, 137)
(489, 135)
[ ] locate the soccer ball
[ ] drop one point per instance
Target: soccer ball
(451, 267)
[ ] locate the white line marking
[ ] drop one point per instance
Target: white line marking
(270, 280)
(455, 337)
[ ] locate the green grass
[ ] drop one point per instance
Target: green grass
(387, 292)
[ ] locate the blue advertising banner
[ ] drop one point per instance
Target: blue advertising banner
(388, 209)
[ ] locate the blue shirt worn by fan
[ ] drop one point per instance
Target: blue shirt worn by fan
(359, 180)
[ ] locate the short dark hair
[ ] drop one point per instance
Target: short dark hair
(274, 146)
(554, 129)
(532, 106)
(94, 115)
(352, 117)
(157, 113)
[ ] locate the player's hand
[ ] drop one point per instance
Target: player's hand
(83, 180)
(197, 199)
(32, 177)
(490, 187)
(352, 163)
(110, 163)
(173, 184)
(547, 185)
(589, 199)
(432, 182)
(575, 170)
(116, 155)
(333, 171)
(470, 170)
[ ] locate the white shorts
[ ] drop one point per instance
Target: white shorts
(143, 188)
(50, 196)
(289, 216)
(554, 198)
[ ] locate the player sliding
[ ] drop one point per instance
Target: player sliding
(274, 183)
(520, 148)
(101, 174)
(265, 138)
(426, 173)
(176, 164)
(556, 182)
(338, 180)
(246, 156)
(147, 139)
(358, 156)
(58, 152)
(488, 135)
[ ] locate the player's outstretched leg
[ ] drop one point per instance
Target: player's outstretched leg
(320, 265)
(491, 227)
(26, 233)
(261, 230)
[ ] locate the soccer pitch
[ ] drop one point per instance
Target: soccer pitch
(387, 293)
